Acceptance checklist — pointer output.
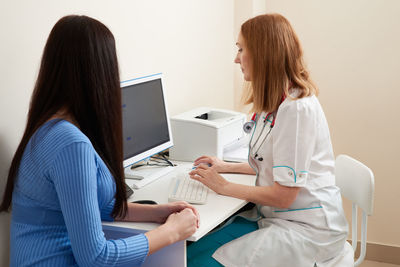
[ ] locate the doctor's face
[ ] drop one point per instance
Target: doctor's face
(243, 58)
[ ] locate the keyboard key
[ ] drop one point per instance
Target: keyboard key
(186, 189)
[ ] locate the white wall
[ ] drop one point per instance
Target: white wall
(190, 41)
(352, 50)
(244, 10)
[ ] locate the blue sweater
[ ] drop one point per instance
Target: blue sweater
(62, 192)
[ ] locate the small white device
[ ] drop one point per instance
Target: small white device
(205, 131)
(185, 188)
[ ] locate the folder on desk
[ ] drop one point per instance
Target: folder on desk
(237, 151)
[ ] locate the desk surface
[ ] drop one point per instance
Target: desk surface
(217, 209)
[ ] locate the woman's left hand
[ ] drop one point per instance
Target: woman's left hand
(164, 210)
(209, 177)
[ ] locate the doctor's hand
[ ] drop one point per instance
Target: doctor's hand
(209, 177)
(214, 163)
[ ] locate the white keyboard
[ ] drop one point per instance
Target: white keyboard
(186, 189)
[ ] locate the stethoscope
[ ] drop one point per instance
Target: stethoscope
(248, 127)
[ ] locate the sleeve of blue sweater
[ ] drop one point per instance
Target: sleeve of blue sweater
(74, 174)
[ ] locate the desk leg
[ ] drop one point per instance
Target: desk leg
(171, 256)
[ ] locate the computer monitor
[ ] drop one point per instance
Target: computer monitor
(145, 123)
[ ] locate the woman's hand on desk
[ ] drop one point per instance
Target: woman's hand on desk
(215, 163)
(210, 178)
(178, 226)
(165, 210)
(221, 166)
(183, 223)
(155, 213)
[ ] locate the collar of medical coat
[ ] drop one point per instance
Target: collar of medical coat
(269, 114)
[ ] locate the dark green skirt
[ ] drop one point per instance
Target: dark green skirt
(199, 253)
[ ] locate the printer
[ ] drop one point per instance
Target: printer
(205, 131)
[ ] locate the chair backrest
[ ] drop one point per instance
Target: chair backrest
(356, 182)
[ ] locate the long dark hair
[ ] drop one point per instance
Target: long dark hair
(79, 73)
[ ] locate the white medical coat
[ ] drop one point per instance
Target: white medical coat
(297, 153)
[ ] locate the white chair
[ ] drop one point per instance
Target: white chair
(356, 182)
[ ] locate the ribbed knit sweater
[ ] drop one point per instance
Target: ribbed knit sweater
(62, 192)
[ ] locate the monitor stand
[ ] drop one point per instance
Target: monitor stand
(144, 175)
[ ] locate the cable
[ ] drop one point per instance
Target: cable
(155, 161)
(163, 159)
(148, 164)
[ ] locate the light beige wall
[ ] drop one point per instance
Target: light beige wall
(353, 52)
(191, 42)
(244, 9)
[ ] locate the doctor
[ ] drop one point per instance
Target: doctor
(299, 215)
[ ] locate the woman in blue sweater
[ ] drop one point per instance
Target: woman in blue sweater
(66, 175)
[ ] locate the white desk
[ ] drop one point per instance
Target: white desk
(217, 209)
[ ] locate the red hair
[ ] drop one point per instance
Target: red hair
(277, 62)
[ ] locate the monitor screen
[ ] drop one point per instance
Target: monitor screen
(145, 123)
